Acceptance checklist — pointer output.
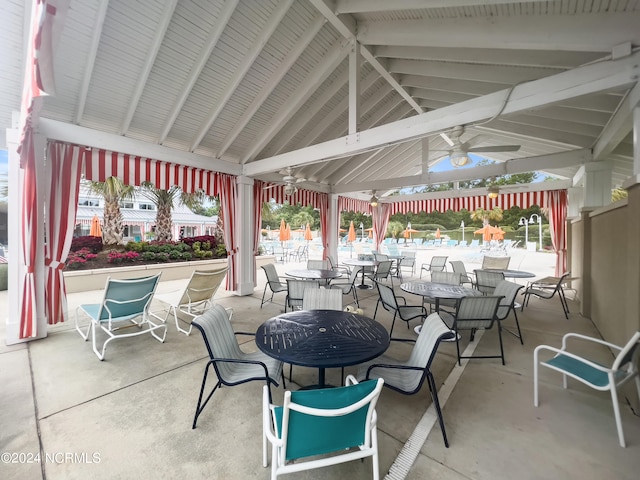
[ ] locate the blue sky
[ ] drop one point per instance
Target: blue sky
(4, 161)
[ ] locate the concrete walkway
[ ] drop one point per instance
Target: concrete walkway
(130, 416)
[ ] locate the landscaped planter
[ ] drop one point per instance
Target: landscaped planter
(83, 280)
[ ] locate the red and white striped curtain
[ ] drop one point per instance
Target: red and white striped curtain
(504, 201)
(557, 202)
(381, 216)
(66, 168)
(346, 204)
(226, 186)
(30, 234)
(135, 170)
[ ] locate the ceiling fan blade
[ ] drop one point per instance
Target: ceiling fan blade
(270, 186)
(496, 148)
(298, 180)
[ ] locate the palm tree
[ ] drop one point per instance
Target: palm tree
(487, 215)
(165, 201)
(113, 190)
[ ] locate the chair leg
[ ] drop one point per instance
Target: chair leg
(434, 397)
(200, 406)
(501, 346)
(616, 414)
(263, 295)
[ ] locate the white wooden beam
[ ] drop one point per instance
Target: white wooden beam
(328, 92)
(576, 32)
(355, 6)
(301, 44)
(619, 125)
(91, 60)
(150, 60)
(319, 74)
(354, 87)
(235, 79)
(67, 132)
(580, 81)
(346, 25)
(198, 66)
(518, 165)
(462, 71)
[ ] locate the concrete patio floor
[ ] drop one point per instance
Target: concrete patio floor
(130, 416)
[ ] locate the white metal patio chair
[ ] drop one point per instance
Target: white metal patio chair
(193, 300)
(274, 282)
(593, 374)
(122, 303)
(340, 424)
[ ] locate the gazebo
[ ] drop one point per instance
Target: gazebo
(328, 107)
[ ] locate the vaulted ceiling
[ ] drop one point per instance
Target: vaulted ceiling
(353, 94)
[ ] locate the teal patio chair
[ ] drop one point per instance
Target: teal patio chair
(318, 428)
(123, 302)
(592, 373)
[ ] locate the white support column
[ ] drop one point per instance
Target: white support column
(14, 238)
(597, 183)
(575, 202)
(354, 87)
(636, 141)
(244, 234)
(334, 226)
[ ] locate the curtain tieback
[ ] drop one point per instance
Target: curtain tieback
(54, 264)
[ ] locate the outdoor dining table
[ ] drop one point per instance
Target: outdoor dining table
(322, 339)
(361, 264)
(511, 273)
(314, 274)
(438, 291)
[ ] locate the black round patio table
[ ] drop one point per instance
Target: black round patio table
(322, 339)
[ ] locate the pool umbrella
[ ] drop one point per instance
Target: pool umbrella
(283, 231)
(409, 231)
(487, 231)
(438, 232)
(370, 230)
(307, 233)
(351, 236)
(288, 235)
(498, 235)
(96, 229)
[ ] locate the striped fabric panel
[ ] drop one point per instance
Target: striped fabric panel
(101, 164)
(347, 204)
(504, 201)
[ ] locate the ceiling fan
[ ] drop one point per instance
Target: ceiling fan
(289, 182)
(459, 149)
(493, 189)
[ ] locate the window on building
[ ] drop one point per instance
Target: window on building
(126, 204)
(88, 202)
(146, 206)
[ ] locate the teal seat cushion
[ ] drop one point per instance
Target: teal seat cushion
(313, 435)
(579, 369)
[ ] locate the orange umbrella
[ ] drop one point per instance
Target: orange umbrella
(370, 230)
(407, 233)
(288, 232)
(438, 232)
(307, 233)
(498, 235)
(487, 231)
(283, 231)
(96, 229)
(351, 236)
